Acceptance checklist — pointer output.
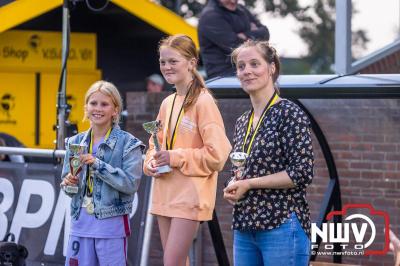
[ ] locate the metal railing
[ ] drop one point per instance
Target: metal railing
(46, 153)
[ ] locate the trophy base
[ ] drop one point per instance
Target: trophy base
(164, 169)
(70, 189)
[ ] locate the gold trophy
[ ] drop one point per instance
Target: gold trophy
(238, 159)
(75, 165)
(153, 127)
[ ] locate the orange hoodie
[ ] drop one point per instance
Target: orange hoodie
(200, 150)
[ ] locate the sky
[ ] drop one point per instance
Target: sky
(380, 19)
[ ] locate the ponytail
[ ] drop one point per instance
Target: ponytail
(196, 87)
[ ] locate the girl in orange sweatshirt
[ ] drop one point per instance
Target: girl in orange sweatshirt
(193, 143)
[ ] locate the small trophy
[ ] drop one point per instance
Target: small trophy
(75, 165)
(153, 127)
(238, 159)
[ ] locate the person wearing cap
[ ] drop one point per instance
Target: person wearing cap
(155, 83)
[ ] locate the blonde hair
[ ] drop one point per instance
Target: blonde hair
(267, 52)
(108, 89)
(186, 47)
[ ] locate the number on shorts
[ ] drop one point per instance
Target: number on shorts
(75, 247)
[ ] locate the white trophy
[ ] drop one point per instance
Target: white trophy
(153, 127)
(238, 159)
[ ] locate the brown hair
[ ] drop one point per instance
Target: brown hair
(108, 89)
(267, 52)
(186, 47)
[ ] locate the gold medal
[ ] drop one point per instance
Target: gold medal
(90, 208)
(86, 201)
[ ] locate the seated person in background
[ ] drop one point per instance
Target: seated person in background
(224, 25)
(155, 83)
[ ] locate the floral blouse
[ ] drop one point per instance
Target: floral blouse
(283, 143)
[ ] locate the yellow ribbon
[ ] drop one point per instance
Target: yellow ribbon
(272, 102)
(89, 178)
(170, 144)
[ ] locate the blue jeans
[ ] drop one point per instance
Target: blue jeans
(287, 245)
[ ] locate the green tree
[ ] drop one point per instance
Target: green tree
(317, 22)
(317, 30)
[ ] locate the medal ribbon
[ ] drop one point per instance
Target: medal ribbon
(89, 178)
(269, 104)
(170, 144)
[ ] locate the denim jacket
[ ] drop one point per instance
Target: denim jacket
(116, 174)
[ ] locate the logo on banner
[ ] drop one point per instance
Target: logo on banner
(356, 234)
(34, 42)
(7, 104)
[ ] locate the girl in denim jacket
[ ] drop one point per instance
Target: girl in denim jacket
(111, 171)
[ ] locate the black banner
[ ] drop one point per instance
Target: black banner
(32, 207)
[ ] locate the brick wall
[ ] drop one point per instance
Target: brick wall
(364, 136)
(388, 64)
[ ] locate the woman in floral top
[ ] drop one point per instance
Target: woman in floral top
(271, 220)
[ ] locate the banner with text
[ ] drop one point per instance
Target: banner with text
(43, 49)
(32, 207)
